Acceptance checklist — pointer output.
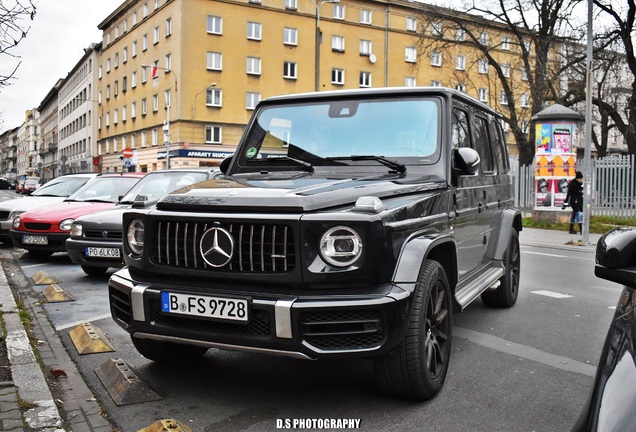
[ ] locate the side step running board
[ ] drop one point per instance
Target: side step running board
(466, 294)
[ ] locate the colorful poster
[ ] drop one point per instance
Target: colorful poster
(543, 133)
(561, 138)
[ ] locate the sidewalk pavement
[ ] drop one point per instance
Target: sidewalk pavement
(75, 408)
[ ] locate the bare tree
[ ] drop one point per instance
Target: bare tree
(14, 15)
(537, 29)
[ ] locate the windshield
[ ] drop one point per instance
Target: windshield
(61, 186)
(318, 131)
(104, 189)
(157, 185)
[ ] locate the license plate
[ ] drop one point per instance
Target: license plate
(103, 252)
(203, 306)
(35, 239)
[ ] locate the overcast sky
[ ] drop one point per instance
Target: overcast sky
(59, 33)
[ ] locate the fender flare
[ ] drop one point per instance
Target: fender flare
(510, 219)
(415, 250)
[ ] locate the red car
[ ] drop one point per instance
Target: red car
(44, 230)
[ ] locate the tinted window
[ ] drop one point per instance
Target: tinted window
(501, 153)
(460, 135)
(482, 144)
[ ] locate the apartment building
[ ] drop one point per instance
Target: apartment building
(9, 154)
(78, 114)
(27, 158)
(190, 72)
(47, 146)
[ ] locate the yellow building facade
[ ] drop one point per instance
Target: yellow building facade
(190, 72)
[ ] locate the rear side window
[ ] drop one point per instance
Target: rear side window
(482, 145)
(460, 135)
(501, 152)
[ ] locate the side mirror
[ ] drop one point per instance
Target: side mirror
(616, 256)
(144, 201)
(466, 161)
(225, 164)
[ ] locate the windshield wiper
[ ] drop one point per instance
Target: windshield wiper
(397, 166)
(301, 163)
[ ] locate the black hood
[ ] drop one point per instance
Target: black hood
(306, 193)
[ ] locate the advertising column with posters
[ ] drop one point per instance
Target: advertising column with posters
(555, 155)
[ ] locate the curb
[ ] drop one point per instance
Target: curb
(30, 384)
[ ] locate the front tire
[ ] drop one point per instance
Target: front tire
(168, 353)
(506, 295)
(417, 367)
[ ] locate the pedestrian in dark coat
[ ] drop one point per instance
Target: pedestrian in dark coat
(574, 199)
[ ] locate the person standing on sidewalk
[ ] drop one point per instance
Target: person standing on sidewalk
(574, 199)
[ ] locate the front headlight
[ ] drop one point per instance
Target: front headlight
(340, 246)
(14, 214)
(66, 224)
(135, 236)
(77, 230)
(16, 222)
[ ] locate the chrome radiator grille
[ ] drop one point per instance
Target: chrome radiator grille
(258, 247)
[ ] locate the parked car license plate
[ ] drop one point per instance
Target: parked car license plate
(103, 252)
(234, 309)
(35, 239)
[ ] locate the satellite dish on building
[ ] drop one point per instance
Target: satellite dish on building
(372, 58)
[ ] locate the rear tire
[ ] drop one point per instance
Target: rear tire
(94, 271)
(417, 367)
(166, 352)
(506, 295)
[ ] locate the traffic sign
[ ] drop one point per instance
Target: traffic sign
(127, 152)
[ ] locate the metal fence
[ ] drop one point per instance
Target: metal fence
(613, 186)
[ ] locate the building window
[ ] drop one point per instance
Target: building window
(144, 106)
(482, 66)
(483, 94)
(133, 79)
(125, 25)
(410, 54)
(156, 4)
(155, 137)
(144, 143)
(144, 42)
(460, 87)
(214, 97)
(107, 119)
(365, 16)
(213, 135)
(505, 43)
(460, 35)
(155, 103)
(215, 24)
(291, 4)
(168, 62)
(214, 61)
(253, 30)
(166, 98)
(483, 38)
(116, 61)
(436, 29)
(525, 101)
(411, 24)
(337, 76)
(338, 11)
(134, 18)
(290, 36)
(365, 47)
(124, 84)
(168, 27)
(124, 113)
(144, 10)
(107, 91)
(502, 98)
(505, 70)
(460, 62)
(436, 83)
(144, 75)
(108, 65)
(133, 110)
(338, 43)
(251, 100)
(124, 55)
(134, 49)
(524, 74)
(436, 58)
(289, 70)
(133, 141)
(409, 82)
(99, 72)
(526, 44)
(365, 79)
(155, 36)
(253, 66)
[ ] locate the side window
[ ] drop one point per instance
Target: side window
(482, 145)
(460, 136)
(501, 152)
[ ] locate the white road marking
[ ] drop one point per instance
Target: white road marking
(551, 294)
(545, 254)
(76, 323)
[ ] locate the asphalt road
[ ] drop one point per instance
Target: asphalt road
(528, 368)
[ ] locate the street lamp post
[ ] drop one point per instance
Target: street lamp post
(318, 40)
(166, 125)
(195, 96)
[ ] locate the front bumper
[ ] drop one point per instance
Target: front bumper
(76, 249)
(5, 227)
(55, 241)
(311, 326)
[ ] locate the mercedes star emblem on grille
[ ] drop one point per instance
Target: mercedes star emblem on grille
(217, 247)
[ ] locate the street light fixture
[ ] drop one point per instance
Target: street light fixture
(166, 125)
(195, 96)
(317, 5)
